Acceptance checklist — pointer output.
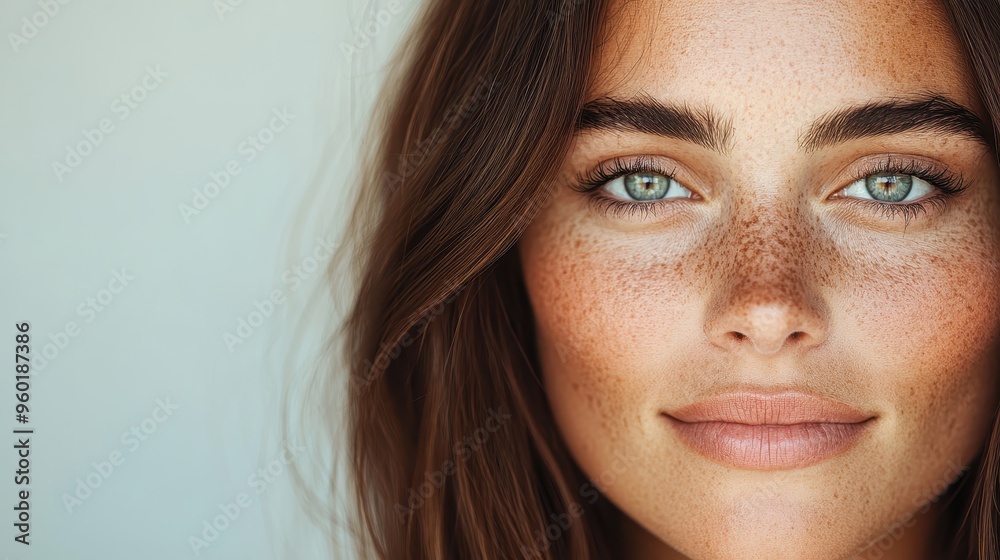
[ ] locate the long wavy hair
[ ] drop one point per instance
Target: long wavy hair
(451, 448)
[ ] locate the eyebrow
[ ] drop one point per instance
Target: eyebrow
(921, 113)
(924, 113)
(647, 115)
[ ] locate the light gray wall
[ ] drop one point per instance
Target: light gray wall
(109, 227)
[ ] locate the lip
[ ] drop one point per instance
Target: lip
(757, 431)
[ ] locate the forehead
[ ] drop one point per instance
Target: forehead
(743, 54)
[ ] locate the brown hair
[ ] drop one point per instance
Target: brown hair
(452, 450)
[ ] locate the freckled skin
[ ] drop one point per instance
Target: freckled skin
(642, 314)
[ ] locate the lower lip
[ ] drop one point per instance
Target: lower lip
(769, 446)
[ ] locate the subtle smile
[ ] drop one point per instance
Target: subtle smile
(758, 431)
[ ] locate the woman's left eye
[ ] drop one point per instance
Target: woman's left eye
(645, 187)
(889, 187)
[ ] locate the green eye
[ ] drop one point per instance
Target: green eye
(888, 187)
(645, 187)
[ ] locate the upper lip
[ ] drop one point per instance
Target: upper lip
(777, 409)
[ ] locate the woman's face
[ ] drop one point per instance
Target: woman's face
(773, 336)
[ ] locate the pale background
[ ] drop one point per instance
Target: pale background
(162, 336)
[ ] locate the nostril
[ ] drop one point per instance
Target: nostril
(792, 337)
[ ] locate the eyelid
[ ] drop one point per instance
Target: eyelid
(937, 174)
(595, 177)
(593, 182)
(944, 186)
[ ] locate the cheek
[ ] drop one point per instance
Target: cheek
(924, 323)
(608, 316)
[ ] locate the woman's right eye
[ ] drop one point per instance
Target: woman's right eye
(645, 187)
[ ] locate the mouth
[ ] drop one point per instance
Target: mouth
(756, 431)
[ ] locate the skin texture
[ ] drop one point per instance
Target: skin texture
(639, 313)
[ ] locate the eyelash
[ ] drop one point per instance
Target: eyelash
(947, 185)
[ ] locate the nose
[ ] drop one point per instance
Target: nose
(765, 300)
(765, 325)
